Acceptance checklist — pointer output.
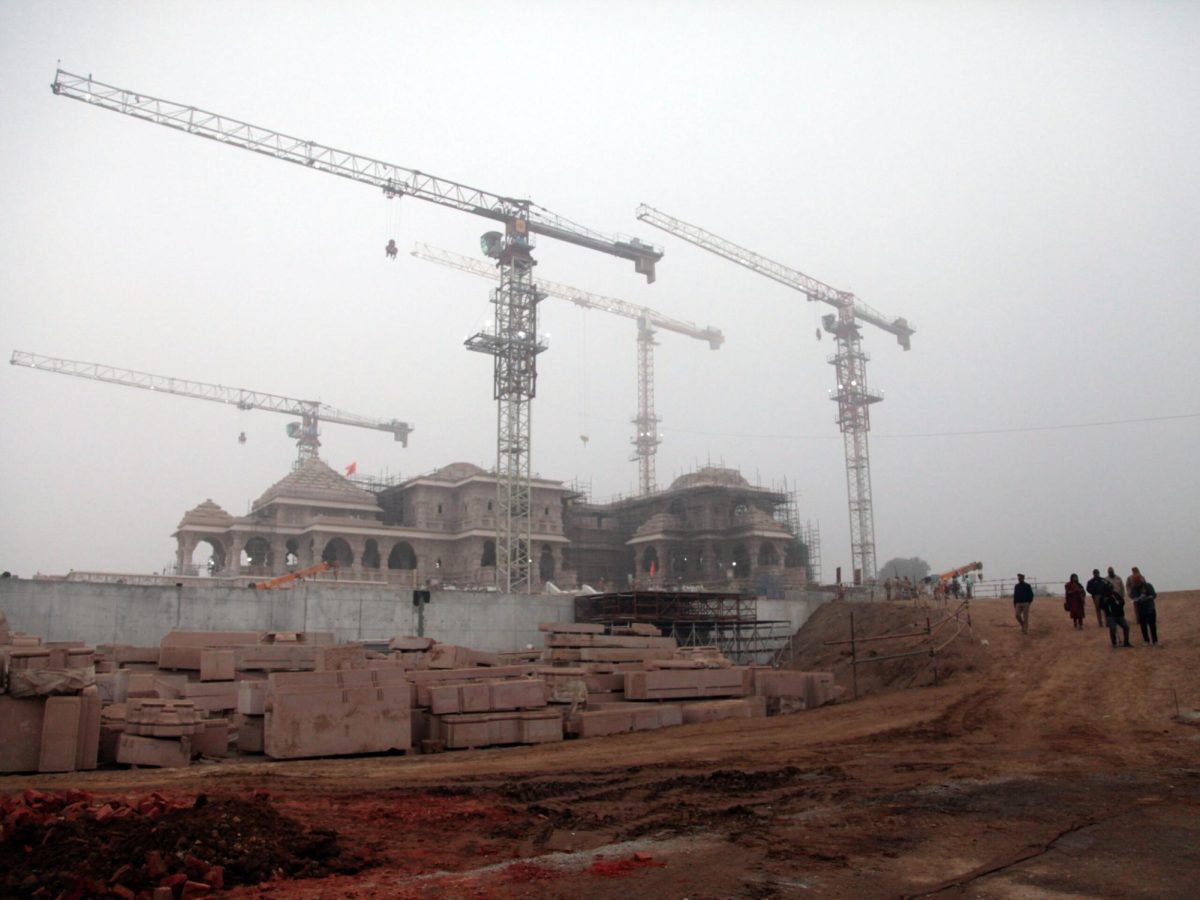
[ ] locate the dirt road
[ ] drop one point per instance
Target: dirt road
(1044, 765)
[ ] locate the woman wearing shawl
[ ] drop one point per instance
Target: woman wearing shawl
(1075, 598)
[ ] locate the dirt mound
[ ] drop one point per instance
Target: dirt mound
(70, 844)
(813, 648)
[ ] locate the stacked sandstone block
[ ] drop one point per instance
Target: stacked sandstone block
(49, 705)
(310, 714)
(481, 706)
(634, 679)
(158, 733)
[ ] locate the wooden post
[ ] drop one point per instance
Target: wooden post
(853, 655)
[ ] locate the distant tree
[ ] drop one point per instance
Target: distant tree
(913, 568)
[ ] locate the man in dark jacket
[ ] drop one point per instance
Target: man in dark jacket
(1113, 605)
(1143, 595)
(1095, 589)
(1022, 598)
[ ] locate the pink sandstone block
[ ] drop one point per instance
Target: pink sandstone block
(570, 628)
(252, 697)
(666, 684)
(523, 693)
(465, 732)
(216, 665)
(337, 721)
(141, 684)
(641, 628)
(715, 710)
(409, 644)
(212, 740)
(538, 726)
(347, 656)
(21, 744)
(60, 734)
(277, 657)
(452, 656)
(250, 734)
(135, 750)
(88, 746)
(630, 642)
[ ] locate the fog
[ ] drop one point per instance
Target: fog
(1018, 180)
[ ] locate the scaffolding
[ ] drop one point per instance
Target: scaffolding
(727, 621)
(811, 535)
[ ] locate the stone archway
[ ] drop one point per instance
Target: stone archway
(546, 563)
(258, 552)
(741, 561)
(370, 556)
(339, 552)
(402, 556)
(488, 559)
(650, 559)
(213, 562)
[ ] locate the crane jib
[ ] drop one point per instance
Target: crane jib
(393, 179)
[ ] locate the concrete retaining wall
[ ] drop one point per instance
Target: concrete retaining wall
(141, 615)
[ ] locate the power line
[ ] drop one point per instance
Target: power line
(932, 434)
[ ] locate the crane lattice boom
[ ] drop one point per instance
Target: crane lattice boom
(394, 180)
(579, 297)
(852, 396)
(311, 412)
(793, 278)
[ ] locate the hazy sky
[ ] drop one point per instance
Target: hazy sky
(1018, 179)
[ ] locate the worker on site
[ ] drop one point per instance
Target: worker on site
(1022, 600)
(1118, 585)
(1113, 605)
(1095, 588)
(1075, 601)
(1142, 593)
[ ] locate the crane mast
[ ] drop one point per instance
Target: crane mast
(645, 440)
(513, 343)
(852, 395)
(311, 412)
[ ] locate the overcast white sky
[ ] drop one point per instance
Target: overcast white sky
(1018, 179)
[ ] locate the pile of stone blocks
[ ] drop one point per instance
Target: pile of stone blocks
(49, 705)
(158, 733)
(632, 678)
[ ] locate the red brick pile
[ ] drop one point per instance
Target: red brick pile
(74, 844)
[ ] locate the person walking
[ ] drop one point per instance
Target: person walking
(1114, 613)
(1096, 587)
(1143, 595)
(1118, 585)
(1022, 600)
(1076, 600)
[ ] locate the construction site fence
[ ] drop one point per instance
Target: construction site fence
(929, 641)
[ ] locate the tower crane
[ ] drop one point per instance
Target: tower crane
(513, 342)
(646, 438)
(850, 363)
(306, 432)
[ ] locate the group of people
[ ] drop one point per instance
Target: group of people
(1108, 595)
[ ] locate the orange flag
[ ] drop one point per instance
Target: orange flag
(352, 468)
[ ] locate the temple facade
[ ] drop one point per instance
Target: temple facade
(709, 528)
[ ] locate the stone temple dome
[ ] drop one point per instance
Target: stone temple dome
(206, 513)
(710, 476)
(314, 480)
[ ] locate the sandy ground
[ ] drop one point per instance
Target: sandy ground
(1047, 765)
